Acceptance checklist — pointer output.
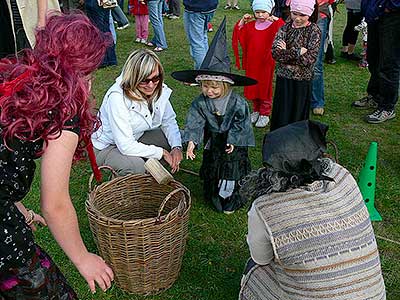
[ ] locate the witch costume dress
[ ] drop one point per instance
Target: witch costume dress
(218, 122)
(216, 127)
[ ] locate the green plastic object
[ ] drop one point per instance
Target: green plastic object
(367, 180)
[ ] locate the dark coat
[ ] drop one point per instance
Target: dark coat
(236, 121)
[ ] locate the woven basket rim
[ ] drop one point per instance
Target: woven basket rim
(91, 208)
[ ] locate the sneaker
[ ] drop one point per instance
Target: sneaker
(138, 40)
(143, 41)
(380, 115)
(236, 7)
(254, 116)
(330, 61)
(262, 121)
(123, 26)
(318, 111)
(228, 6)
(365, 102)
(228, 212)
(173, 17)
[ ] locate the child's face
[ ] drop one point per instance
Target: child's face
(261, 15)
(212, 90)
(299, 19)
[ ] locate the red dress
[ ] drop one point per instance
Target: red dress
(257, 59)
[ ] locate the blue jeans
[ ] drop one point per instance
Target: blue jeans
(196, 31)
(156, 20)
(119, 16)
(318, 93)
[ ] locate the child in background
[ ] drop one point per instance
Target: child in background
(220, 119)
(295, 50)
(363, 28)
(139, 9)
(232, 4)
(256, 38)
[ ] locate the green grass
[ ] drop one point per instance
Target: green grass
(216, 248)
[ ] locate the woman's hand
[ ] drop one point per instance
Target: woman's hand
(229, 148)
(190, 151)
(34, 219)
(176, 154)
(94, 269)
(281, 45)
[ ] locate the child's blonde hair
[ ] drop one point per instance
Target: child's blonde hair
(225, 86)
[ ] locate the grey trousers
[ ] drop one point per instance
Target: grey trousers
(124, 164)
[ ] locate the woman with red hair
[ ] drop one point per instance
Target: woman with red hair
(45, 113)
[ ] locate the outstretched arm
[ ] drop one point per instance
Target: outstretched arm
(60, 214)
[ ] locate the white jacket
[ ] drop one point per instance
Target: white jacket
(124, 121)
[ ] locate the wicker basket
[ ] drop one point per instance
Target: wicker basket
(140, 228)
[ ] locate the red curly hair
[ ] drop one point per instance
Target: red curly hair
(48, 86)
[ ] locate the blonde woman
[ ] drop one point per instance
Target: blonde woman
(138, 121)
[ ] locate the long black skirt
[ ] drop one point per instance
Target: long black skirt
(291, 103)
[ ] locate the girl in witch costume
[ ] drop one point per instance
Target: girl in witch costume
(220, 119)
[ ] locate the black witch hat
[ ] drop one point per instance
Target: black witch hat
(215, 63)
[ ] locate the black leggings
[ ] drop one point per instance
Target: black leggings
(349, 34)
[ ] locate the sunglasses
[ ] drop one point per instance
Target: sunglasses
(154, 80)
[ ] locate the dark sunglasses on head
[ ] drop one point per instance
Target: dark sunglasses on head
(154, 80)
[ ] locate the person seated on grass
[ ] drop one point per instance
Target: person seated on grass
(137, 118)
(309, 232)
(46, 113)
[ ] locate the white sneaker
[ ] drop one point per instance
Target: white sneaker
(254, 117)
(262, 121)
(137, 40)
(143, 41)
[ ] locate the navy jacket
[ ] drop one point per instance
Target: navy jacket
(202, 6)
(373, 9)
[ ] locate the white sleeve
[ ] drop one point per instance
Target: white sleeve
(258, 239)
(122, 131)
(170, 127)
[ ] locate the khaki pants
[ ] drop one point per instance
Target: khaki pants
(124, 164)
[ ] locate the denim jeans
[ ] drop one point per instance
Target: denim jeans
(196, 31)
(119, 16)
(156, 20)
(383, 57)
(318, 93)
(100, 17)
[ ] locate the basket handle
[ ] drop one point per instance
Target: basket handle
(335, 147)
(113, 175)
(169, 196)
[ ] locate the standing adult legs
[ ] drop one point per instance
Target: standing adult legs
(350, 35)
(196, 32)
(318, 93)
(156, 20)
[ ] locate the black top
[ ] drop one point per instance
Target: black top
(17, 169)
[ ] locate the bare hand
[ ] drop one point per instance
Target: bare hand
(94, 269)
(167, 157)
(229, 148)
(272, 18)
(245, 19)
(177, 156)
(281, 45)
(190, 151)
(303, 50)
(39, 220)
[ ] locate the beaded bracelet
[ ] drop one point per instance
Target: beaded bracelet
(31, 216)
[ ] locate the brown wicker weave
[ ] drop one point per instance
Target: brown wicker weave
(140, 228)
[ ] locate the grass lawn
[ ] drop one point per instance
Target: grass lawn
(216, 248)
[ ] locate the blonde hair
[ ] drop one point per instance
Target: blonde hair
(225, 86)
(139, 65)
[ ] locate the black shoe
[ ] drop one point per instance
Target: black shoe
(353, 56)
(365, 102)
(330, 61)
(343, 54)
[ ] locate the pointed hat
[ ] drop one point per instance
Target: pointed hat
(216, 62)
